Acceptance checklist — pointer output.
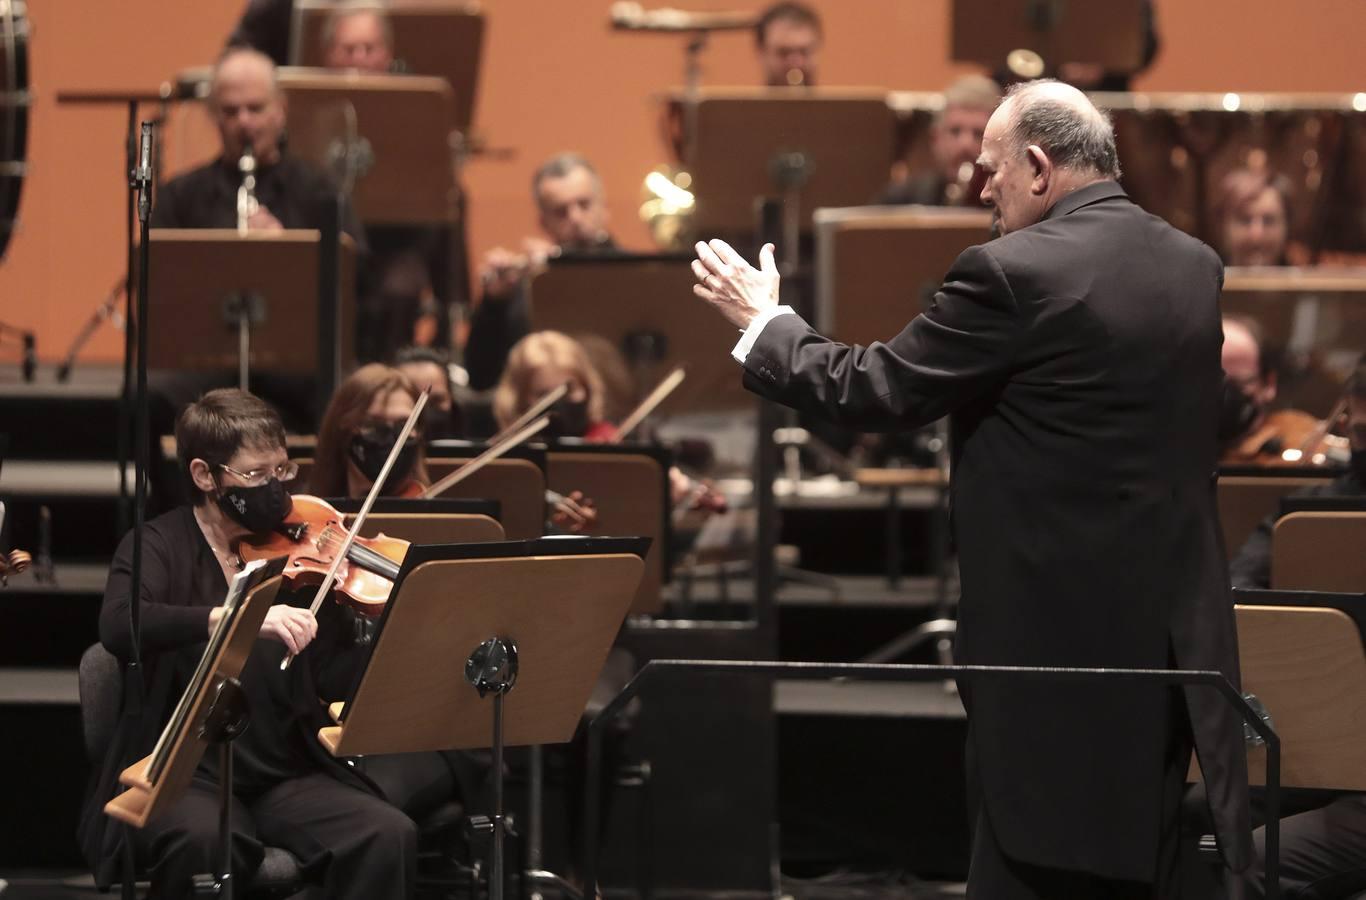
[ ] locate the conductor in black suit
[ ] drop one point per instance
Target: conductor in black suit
(1077, 356)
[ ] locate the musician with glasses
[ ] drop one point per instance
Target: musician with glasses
(289, 792)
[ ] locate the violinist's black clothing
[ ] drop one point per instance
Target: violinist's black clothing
(290, 792)
(1078, 362)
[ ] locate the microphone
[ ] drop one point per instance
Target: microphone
(142, 175)
(630, 16)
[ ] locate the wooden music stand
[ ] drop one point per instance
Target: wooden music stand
(431, 37)
(517, 484)
(464, 621)
(1246, 498)
(1302, 658)
(1319, 551)
(645, 307)
(401, 141)
(1111, 34)
(630, 491)
(431, 528)
(203, 282)
(145, 796)
(879, 267)
(845, 136)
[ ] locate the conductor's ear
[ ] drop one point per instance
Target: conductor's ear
(1042, 166)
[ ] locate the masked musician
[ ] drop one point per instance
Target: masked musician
(572, 213)
(359, 427)
(290, 793)
(955, 143)
(430, 370)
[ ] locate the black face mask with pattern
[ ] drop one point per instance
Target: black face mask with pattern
(568, 419)
(370, 448)
(258, 509)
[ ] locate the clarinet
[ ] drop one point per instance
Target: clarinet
(246, 192)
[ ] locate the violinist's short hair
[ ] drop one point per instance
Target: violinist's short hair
(220, 423)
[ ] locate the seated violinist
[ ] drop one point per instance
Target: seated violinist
(290, 793)
(1257, 434)
(541, 362)
(358, 429)
(1251, 568)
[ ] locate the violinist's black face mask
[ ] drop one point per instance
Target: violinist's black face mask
(258, 509)
(370, 448)
(568, 418)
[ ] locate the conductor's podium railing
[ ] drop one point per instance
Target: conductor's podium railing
(659, 668)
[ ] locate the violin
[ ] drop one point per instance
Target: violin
(1291, 436)
(311, 535)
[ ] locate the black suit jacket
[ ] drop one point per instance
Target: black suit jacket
(1079, 362)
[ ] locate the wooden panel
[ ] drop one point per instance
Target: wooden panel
(630, 493)
(426, 528)
(1319, 551)
(517, 484)
(562, 612)
(1244, 500)
(1308, 668)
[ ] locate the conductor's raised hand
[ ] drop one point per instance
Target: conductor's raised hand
(734, 287)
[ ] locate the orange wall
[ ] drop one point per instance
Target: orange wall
(554, 77)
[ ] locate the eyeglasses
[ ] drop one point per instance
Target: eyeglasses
(256, 477)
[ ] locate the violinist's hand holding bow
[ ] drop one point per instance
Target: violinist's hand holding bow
(734, 287)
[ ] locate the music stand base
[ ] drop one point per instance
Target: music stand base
(227, 718)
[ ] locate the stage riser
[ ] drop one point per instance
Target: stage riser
(44, 754)
(47, 629)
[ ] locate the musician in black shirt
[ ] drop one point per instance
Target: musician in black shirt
(290, 793)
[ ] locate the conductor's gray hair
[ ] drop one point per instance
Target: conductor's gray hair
(1075, 136)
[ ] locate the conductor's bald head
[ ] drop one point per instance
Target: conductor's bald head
(247, 104)
(1044, 141)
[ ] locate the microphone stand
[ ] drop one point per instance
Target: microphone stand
(108, 311)
(140, 182)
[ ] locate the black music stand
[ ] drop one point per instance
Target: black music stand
(645, 306)
(443, 38)
(1110, 34)
(809, 148)
(266, 301)
(468, 620)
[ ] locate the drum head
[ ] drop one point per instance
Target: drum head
(14, 106)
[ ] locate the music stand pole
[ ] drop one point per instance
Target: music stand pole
(492, 668)
(227, 718)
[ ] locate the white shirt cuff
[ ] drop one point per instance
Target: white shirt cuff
(755, 329)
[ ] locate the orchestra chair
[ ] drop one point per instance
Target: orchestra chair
(1319, 551)
(100, 682)
(1303, 667)
(1246, 498)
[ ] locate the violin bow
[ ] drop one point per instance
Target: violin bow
(350, 538)
(538, 409)
(650, 403)
(483, 459)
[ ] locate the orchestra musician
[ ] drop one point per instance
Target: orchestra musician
(248, 109)
(1253, 211)
(572, 213)
(955, 144)
(429, 370)
(1077, 357)
(787, 42)
(1266, 433)
(358, 36)
(290, 793)
(358, 429)
(1251, 567)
